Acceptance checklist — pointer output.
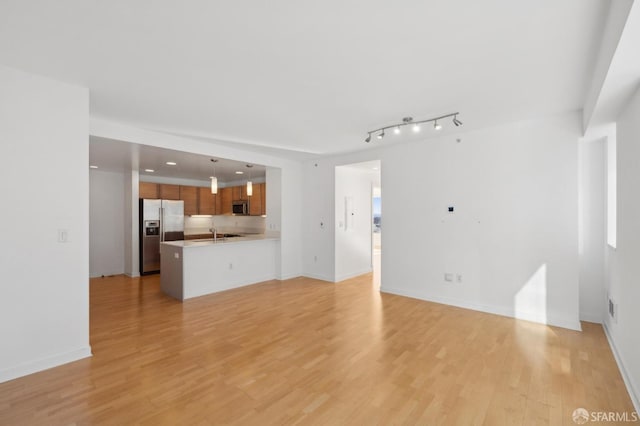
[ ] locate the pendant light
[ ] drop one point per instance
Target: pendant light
(249, 183)
(214, 179)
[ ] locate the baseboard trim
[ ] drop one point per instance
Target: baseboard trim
(631, 389)
(31, 367)
(317, 277)
(591, 317)
(497, 310)
(287, 277)
(109, 274)
(353, 274)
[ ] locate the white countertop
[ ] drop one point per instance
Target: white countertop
(220, 241)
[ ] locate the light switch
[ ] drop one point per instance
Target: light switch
(63, 235)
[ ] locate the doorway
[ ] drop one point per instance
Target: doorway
(376, 233)
(358, 209)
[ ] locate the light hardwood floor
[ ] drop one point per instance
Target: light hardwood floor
(309, 352)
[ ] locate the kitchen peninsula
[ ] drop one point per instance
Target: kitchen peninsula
(198, 267)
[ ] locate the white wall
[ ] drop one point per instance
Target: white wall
(318, 258)
(353, 239)
(131, 224)
(592, 222)
(513, 236)
(44, 308)
(106, 223)
(623, 266)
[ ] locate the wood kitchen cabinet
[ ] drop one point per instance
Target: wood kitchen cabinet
(218, 199)
(207, 201)
(200, 200)
(189, 194)
(255, 201)
(226, 196)
(240, 193)
(169, 192)
(148, 190)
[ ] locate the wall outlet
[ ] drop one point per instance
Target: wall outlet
(459, 278)
(63, 236)
(448, 277)
(176, 255)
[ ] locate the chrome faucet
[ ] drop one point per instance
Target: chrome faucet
(214, 231)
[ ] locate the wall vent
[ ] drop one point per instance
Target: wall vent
(613, 310)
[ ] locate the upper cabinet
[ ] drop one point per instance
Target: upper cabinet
(207, 201)
(240, 193)
(189, 194)
(200, 200)
(226, 195)
(256, 201)
(148, 190)
(169, 192)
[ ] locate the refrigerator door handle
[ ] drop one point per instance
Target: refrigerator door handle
(161, 213)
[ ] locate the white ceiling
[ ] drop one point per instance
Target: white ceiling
(309, 76)
(118, 156)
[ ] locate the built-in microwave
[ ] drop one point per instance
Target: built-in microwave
(240, 207)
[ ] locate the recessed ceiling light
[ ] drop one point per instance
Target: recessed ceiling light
(239, 172)
(171, 163)
(149, 170)
(93, 167)
(375, 168)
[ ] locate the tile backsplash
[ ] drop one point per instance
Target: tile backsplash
(224, 224)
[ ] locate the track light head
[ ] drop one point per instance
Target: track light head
(456, 121)
(381, 134)
(397, 130)
(437, 126)
(416, 128)
(368, 139)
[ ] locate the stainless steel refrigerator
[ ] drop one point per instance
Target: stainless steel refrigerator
(160, 220)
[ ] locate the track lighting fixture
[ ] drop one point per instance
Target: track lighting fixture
(415, 125)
